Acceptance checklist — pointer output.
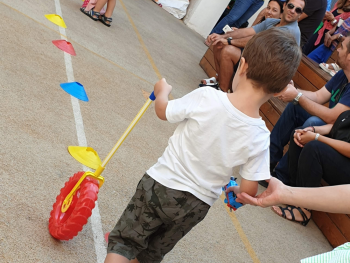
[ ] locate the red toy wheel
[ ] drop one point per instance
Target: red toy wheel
(65, 226)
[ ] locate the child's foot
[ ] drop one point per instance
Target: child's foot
(91, 13)
(106, 20)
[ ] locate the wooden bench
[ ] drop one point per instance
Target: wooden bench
(335, 227)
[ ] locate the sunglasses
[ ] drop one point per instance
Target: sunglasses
(298, 10)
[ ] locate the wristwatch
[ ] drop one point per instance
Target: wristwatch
(339, 37)
(296, 99)
(229, 40)
(334, 22)
(316, 136)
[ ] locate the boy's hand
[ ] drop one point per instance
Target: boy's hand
(271, 196)
(162, 87)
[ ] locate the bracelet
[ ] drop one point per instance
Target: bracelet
(316, 137)
(334, 22)
(313, 128)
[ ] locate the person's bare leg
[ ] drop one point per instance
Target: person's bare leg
(110, 8)
(99, 5)
(230, 55)
(115, 258)
(216, 51)
(217, 55)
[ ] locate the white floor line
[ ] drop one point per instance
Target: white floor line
(95, 219)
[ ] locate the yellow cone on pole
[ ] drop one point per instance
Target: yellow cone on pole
(85, 155)
(56, 19)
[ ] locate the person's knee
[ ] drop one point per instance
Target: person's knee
(230, 53)
(312, 148)
(313, 121)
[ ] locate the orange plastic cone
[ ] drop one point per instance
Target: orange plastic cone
(65, 46)
(56, 19)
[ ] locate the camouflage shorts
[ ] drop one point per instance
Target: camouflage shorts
(155, 219)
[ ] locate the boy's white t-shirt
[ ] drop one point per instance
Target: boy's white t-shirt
(211, 139)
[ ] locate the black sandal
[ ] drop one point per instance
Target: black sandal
(91, 13)
(290, 209)
(105, 19)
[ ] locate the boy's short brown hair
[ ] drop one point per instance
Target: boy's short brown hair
(273, 57)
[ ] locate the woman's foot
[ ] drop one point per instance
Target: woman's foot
(292, 213)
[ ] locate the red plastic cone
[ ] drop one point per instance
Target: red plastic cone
(65, 46)
(106, 237)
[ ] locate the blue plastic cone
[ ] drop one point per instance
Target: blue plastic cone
(75, 89)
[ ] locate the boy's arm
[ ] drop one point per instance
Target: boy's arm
(161, 91)
(249, 187)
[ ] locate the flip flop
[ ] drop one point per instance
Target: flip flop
(326, 68)
(210, 80)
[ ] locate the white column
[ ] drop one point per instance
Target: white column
(202, 15)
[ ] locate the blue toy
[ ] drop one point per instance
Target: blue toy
(230, 199)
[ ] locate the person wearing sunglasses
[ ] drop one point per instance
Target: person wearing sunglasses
(228, 48)
(311, 18)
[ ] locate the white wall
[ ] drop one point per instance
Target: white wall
(202, 15)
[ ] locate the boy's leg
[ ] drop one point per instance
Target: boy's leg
(115, 258)
(138, 221)
(188, 211)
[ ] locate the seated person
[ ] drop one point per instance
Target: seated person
(313, 156)
(228, 48)
(331, 19)
(307, 110)
(332, 39)
(241, 11)
(274, 9)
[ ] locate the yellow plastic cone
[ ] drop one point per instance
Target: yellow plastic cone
(56, 19)
(85, 155)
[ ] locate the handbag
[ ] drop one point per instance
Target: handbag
(341, 127)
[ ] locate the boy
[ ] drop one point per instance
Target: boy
(216, 132)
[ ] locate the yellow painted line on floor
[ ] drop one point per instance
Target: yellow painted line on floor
(143, 44)
(240, 232)
(72, 41)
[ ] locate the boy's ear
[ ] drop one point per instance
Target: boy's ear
(242, 67)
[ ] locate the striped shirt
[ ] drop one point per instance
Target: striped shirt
(343, 29)
(340, 254)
